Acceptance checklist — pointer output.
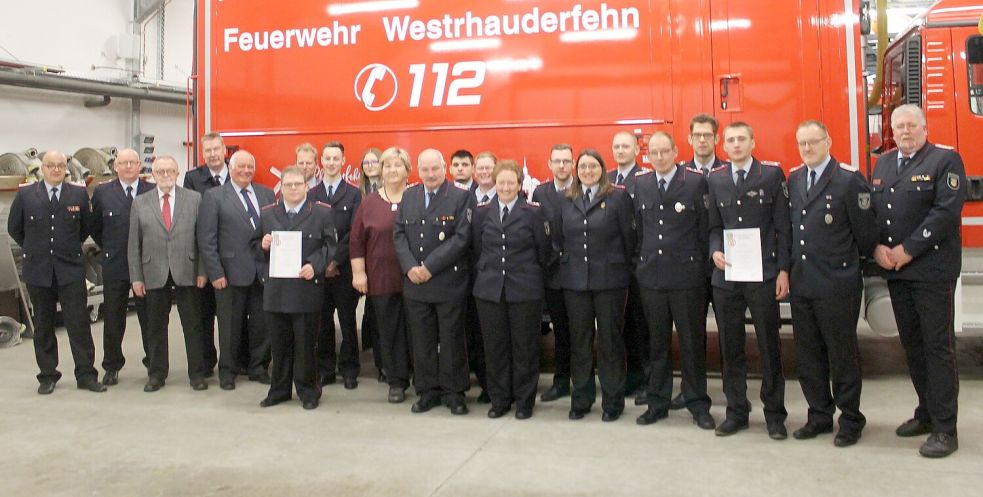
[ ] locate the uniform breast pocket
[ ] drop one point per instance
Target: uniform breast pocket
(923, 194)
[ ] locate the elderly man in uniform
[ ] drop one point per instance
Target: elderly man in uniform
(432, 236)
(49, 220)
(918, 195)
(111, 203)
(832, 232)
(228, 228)
(749, 194)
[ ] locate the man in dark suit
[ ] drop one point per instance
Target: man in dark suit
(918, 195)
(292, 304)
(49, 220)
(111, 203)
(671, 215)
(549, 195)
(228, 229)
(339, 294)
(462, 170)
(432, 234)
(832, 232)
(625, 149)
(213, 173)
(747, 194)
(164, 264)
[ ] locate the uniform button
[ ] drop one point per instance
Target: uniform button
(421, 249)
(660, 251)
(585, 258)
(503, 259)
(52, 216)
(503, 271)
(802, 242)
(51, 251)
(738, 202)
(52, 228)
(503, 236)
(892, 190)
(661, 221)
(585, 246)
(888, 206)
(829, 206)
(662, 207)
(890, 239)
(803, 212)
(936, 247)
(503, 247)
(844, 264)
(802, 227)
(52, 239)
(660, 237)
(888, 222)
(585, 221)
(421, 235)
(740, 219)
(803, 257)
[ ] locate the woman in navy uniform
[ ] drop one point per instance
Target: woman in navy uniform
(596, 237)
(511, 247)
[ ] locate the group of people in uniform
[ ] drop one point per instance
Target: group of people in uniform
(457, 274)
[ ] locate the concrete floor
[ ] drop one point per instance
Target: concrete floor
(178, 442)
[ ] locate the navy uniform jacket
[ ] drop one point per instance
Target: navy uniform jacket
(763, 204)
(297, 295)
(550, 200)
(226, 236)
(51, 238)
(629, 182)
(691, 164)
(832, 228)
(111, 226)
(672, 231)
(439, 237)
(344, 203)
(512, 256)
(201, 179)
(596, 243)
(921, 209)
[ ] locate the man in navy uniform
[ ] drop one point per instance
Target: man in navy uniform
(462, 170)
(832, 232)
(432, 234)
(49, 220)
(111, 203)
(671, 213)
(213, 173)
(227, 231)
(339, 294)
(748, 194)
(918, 195)
(549, 195)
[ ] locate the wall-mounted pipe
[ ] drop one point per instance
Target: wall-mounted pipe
(46, 81)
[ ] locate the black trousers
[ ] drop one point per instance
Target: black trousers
(370, 334)
(636, 340)
(924, 311)
(437, 371)
(341, 296)
(393, 342)
(292, 337)
(73, 299)
(117, 296)
(241, 324)
(686, 309)
(826, 351)
(607, 308)
(511, 346)
(730, 307)
(208, 307)
(708, 292)
(158, 318)
(556, 306)
(475, 343)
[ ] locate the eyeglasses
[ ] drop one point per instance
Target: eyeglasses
(292, 185)
(165, 172)
(128, 162)
(56, 167)
(811, 143)
(370, 163)
(565, 162)
(660, 153)
(703, 136)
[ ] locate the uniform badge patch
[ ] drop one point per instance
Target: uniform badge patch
(864, 200)
(469, 215)
(752, 194)
(706, 201)
(785, 189)
(953, 181)
(546, 227)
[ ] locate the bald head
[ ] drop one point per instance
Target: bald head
(431, 167)
(54, 166)
(127, 165)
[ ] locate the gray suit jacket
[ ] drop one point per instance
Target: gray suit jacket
(226, 236)
(153, 252)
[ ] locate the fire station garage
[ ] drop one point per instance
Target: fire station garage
(252, 248)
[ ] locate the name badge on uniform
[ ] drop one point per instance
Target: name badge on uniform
(74, 208)
(680, 207)
(829, 219)
(440, 236)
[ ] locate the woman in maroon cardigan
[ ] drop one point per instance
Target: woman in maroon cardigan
(376, 271)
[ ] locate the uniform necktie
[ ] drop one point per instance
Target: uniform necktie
(485, 198)
(903, 164)
(129, 193)
(430, 196)
(662, 185)
(587, 197)
(330, 191)
(740, 179)
(218, 180)
(812, 179)
(290, 214)
(706, 171)
(505, 213)
(621, 179)
(249, 207)
(166, 211)
(54, 197)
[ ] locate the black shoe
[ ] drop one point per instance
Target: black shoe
(576, 414)
(642, 399)
(110, 378)
(396, 395)
(914, 427)
(846, 438)
(382, 377)
(777, 431)
(609, 416)
(425, 404)
(811, 429)
(555, 392)
(199, 384)
(92, 385)
(457, 407)
(310, 404)
(497, 412)
(46, 387)
(153, 384)
(351, 383)
(270, 402)
(328, 380)
(730, 427)
(649, 416)
(939, 445)
(523, 413)
(227, 385)
(484, 398)
(704, 420)
(678, 402)
(263, 378)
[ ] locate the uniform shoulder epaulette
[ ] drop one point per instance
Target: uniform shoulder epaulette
(323, 204)
(770, 163)
(483, 204)
(796, 168)
(690, 169)
(681, 163)
(620, 187)
(848, 167)
(107, 181)
(24, 184)
(414, 184)
(643, 172)
(460, 187)
(719, 168)
(270, 206)
(946, 147)
(530, 203)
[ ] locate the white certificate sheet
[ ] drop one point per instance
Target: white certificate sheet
(285, 254)
(742, 249)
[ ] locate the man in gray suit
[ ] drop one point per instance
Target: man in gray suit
(228, 228)
(163, 259)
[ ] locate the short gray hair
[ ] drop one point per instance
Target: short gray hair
(911, 110)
